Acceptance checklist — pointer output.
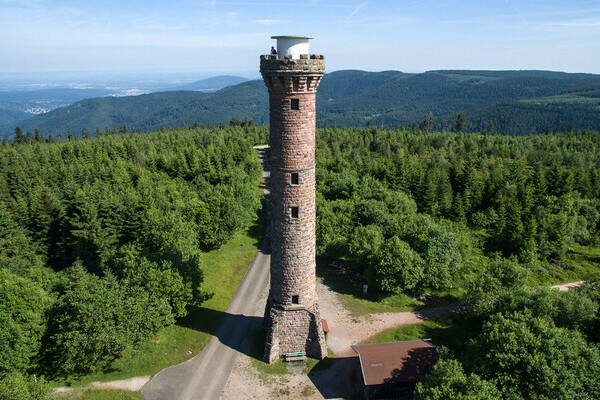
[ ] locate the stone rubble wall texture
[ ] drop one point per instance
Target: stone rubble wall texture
(293, 328)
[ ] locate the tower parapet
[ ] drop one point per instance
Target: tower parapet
(292, 315)
(290, 75)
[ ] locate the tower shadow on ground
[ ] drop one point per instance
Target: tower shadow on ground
(336, 378)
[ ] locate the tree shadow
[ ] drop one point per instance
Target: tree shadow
(257, 229)
(233, 330)
(339, 282)
(337, 377)
(414, 366)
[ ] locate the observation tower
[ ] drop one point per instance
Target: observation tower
(292, 318)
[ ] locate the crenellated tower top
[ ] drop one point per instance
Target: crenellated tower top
(292, 69)
(289, 75)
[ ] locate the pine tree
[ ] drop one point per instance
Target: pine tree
(19, 136)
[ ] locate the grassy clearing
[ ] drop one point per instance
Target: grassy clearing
(581, 263)
(223, 269)
(452, 332)
(93, 394)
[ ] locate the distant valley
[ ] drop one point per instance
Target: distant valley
(506, 102)
(25, 101)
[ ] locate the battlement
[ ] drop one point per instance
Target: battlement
(310, 64)
(287, 75)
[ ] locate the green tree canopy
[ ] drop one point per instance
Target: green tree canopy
(448, 380)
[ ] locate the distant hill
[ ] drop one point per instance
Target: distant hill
(8, 117)
(392, 98)
(151, 111)
(508, 102)
(213, 84)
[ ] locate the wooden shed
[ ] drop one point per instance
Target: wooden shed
(390, 370)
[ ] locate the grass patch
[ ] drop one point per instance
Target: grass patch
(277, 368)
(223, 269)
(314, 365)
(358, 305)
(308, 391)
(582, 263)
(96, 394)
(452, 332)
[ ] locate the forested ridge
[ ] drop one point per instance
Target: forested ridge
(504, 102)
(102, 240)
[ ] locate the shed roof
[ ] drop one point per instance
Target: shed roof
(395, 362)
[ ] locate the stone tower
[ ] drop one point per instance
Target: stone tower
(292, 318)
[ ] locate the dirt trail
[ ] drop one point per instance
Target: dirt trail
(346, 330)
(568, 286)
(134, 384)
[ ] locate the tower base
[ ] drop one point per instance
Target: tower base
(294, 331)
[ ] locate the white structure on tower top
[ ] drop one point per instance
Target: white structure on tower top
(292, 45)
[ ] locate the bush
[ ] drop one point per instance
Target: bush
(448, 380)
(19, 387)
(22, 323)
(96, 319)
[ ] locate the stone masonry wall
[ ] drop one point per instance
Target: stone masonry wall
(292, 318)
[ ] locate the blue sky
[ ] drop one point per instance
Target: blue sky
(218, 37)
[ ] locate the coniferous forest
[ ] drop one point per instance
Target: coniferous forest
(101, 240)
(493, 218)
(446, 203)
(101, 243)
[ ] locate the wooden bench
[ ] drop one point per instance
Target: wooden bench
(298, 356)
